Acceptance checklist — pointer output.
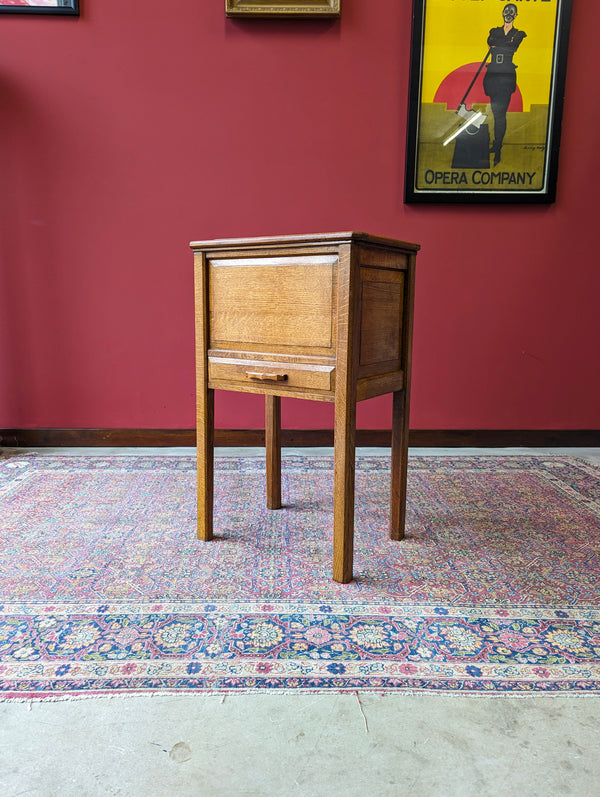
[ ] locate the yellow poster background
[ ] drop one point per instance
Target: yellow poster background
(455, 34)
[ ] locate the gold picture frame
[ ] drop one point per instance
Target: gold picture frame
(282, 8)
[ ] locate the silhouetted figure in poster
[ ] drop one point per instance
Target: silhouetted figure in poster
(500, 81)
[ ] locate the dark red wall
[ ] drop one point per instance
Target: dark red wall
(126, 133)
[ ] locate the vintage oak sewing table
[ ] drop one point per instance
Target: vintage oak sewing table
(323, 317)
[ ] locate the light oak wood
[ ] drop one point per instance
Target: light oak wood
(273, 450)
(264, 376)
(204, 407)
(325, 317)
(398, 469)
(378, 385)
(345, 415)
(283, 301)
(293, 375)
(381, 321)
(400, 418)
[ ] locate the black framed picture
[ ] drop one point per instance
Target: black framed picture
(40, 7)
(486, 96)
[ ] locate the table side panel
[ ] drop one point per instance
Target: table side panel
(382, 302)
(377, 257)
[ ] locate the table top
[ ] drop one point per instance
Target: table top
(313, 238)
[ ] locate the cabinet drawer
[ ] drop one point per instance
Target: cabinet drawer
(261, 373)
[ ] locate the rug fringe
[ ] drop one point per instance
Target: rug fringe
(351, 693)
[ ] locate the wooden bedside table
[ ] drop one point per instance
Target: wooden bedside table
(323, 317)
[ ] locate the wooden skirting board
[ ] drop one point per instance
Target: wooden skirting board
(419, 438)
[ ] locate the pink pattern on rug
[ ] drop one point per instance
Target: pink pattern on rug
(105, 587)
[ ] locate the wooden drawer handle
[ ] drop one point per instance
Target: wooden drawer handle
(267, 376)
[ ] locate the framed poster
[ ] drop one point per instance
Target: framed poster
(39, 7)
(486, 92)
(282, 8)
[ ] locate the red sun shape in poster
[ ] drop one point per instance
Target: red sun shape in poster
(453, 87)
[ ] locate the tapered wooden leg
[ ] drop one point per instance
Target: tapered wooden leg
(343, 491)
(205, 436)
(399, 465)
(273, 446)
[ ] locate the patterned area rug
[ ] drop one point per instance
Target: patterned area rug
(105, 589)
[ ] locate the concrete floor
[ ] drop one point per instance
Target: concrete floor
(304, 745)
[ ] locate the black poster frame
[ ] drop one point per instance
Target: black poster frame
(460, 184)
(63, 7)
